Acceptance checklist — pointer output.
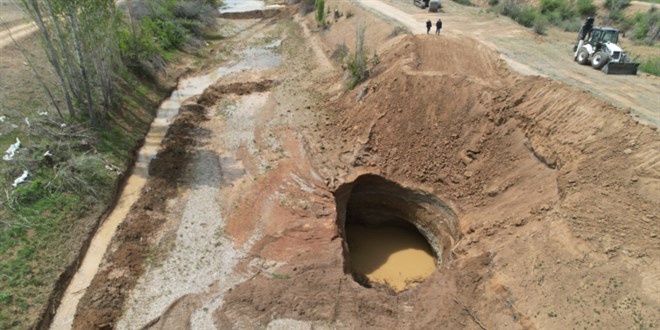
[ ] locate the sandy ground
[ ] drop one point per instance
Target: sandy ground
(554, 191)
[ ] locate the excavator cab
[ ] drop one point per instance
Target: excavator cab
(598, 36)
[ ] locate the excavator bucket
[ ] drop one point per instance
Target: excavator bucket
(620, 68)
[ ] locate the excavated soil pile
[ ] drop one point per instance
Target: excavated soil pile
(125, 262)
(214, 93)
(550, 187)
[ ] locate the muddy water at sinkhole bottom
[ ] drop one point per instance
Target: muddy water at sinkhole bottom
(394, 256)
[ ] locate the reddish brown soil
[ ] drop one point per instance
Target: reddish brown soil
(214, 93)
(556, 194)
(126, 258)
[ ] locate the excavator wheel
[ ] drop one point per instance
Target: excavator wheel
(599, 60)
(582, 56)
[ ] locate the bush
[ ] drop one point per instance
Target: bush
(527, 16)
(651, 66)
(616, 5)
(586, 7)
(493, 3)
(572, 25)
(540, 25)
(511, 9)
(548, 6)
(646, 26)
(464, 2)
(320, 13)
(357, 62)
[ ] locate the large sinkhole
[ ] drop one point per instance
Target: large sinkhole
(394, 237)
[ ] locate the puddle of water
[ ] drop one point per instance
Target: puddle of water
(261, 58)
(395, 256)
(237, 6)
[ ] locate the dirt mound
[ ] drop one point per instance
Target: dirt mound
(450, 55)
(549, 186)
(217, 90)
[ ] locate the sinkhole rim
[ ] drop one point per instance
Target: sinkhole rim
(375, 201)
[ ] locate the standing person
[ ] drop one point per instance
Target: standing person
(428, 26)
(585, 30)
(438, 26)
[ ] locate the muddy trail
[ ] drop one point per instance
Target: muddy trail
(446, 191)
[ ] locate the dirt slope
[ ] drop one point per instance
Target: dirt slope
(549, 184)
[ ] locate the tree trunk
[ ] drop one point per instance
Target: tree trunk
(68, 60)
(33, 8)
(79, 54)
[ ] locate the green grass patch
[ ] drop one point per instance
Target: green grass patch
(44, 220)
(650, 66)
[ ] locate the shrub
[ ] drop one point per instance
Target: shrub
(548, 6)
(572, 25)
(511, 9)
(357, 62)
(651, 66)
(646, 26)
(540, 25)
(527, 16)
(616, 5)
(586, 7)
(493, 3)
(320, 13)
(464, 2)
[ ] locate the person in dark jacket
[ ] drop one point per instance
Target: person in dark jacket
(438, 26)
(585, 30)
(428, 26)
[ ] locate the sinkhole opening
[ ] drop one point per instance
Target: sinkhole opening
(393, 237)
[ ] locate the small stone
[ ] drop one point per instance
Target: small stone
(627, 151)
(654, 235)
(634, 179)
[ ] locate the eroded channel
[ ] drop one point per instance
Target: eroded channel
(257, 58)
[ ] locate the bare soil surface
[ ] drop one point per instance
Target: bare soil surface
(554, 189)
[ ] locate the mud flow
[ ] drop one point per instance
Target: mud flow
(394, 237)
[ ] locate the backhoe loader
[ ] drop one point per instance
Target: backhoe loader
(603, 53)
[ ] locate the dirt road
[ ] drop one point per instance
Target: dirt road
(531, 54)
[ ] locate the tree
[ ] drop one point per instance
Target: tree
(80, 40)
